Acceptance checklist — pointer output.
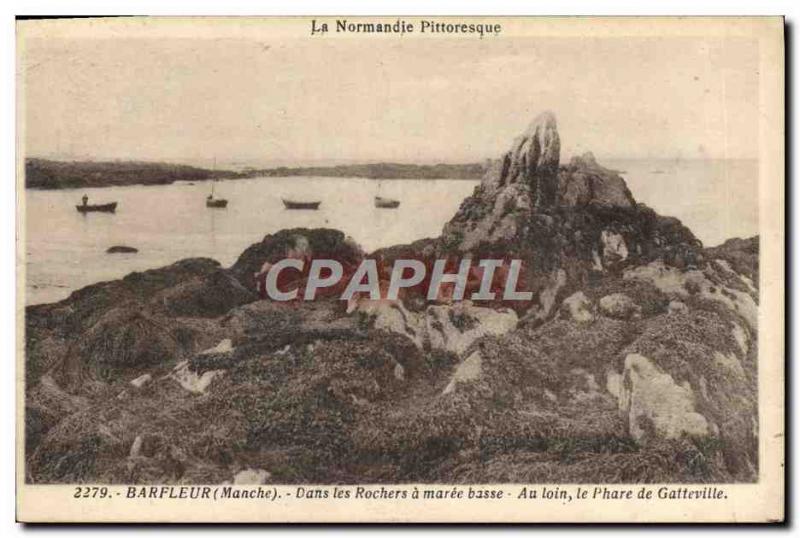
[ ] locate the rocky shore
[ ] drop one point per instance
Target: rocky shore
(52, 174)
(635, 362)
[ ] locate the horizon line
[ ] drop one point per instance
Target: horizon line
(252, 163)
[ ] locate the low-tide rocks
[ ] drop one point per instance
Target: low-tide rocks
(309, 392)
(636, 361)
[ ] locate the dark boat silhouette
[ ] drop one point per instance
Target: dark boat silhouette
(219, 203)
(291, 204)
(216, 203)
(103, 208)
(386, 203)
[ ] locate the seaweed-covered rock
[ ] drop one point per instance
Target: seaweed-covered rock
(314, 394)
(301, 243)
(741, 256)
(84, 307)
(208, 295)
(124, 339)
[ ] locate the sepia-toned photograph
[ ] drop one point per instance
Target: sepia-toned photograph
(496, 263)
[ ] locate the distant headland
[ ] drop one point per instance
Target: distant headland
(53, 174)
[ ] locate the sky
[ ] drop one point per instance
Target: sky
(283, 100)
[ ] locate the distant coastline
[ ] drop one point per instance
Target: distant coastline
(52, 174)
(380, 171)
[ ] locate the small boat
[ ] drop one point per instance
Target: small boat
(104, 208)
(386, 203)
(291, 204)
(220, 203)
(217, 203)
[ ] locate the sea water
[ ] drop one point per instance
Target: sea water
(65, 250)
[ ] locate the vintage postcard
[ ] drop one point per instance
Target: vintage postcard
(400, 269)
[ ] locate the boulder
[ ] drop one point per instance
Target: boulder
(585, 182)
(620, 306)
(469, 370)
(191, 380)
(692, 364)
(655, 405)
(451, 328)
(136, 447)
(141, 381)
(742, 338)
(586, 161)
(614, 247)
(455, 327)
(677, 307)
(224, 348)
(707, 284)
(547, 298)
(578, 307)
(392, 316)
(399, 372)
(254, 477)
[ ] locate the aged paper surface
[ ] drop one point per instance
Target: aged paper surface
(400, 270)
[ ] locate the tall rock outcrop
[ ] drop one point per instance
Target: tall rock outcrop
(523, 181)
(566, 222)
(528, 181)
(534, 159)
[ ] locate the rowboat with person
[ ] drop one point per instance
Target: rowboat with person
(86, 207)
